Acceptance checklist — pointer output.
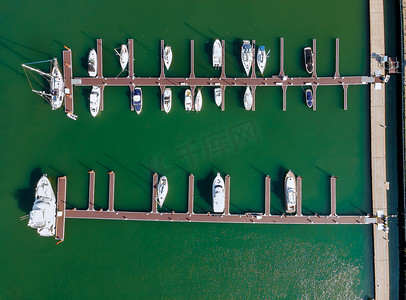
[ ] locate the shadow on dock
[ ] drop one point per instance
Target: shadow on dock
(25, 196)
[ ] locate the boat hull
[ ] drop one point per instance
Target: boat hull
(123, 56)
(198, 101)
(261, 60)
(309, 98)
(137, 100)
(167, 100)
(92, 63)
(308, 58)
(248, 99)
(57, 87)
(162, 190)
(217, 54)
(218, 194)
(246, 56)
(188, 100)
(290, 192)
(94, 101)
(167, 57)
(218, 96)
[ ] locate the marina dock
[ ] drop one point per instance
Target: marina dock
(378, 151)
(281, 80)
(92, 179)
(190, 216)
(333, 198)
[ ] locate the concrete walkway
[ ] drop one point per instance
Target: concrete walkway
(378, 150)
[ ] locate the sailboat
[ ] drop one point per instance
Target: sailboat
(43, 213)
(198, 101)
(55, 93)
(218, 194)
(94, 100)
(246, 56)
(188, 100)
(167, 100)
(217, 54)
(261, 59)
(162, 190)
(290, 192)
(248, 99)
(92, 63)
(167, 56)
(123, 56)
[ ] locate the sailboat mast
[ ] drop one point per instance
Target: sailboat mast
(36, 70)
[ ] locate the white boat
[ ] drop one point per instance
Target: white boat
(218, 194)
(217, 96)
(246, 56)
(92, 63)
(308, 58)
(167, 100)
(198, 101)
(248, 99)
(188, 100)
(94, 100)
(137, 100)
(217, 54)
(43, 213)
(261, 59)
(72, 116)
(55, 93)
(167, 56)
(123, 56)
(162, 190)
(290, 192)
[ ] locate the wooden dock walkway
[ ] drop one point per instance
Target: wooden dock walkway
(227, 195)
(68, 75)
(154, 193)
(333, 198)
(112, 180)
(299, 196)
(191, 194)
(92, 179)
(378, 151)
(192, 81)
(60, 209)
(267, 195)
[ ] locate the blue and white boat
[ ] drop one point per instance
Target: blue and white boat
(246, 56)
(137, 99)
(309, 98)
(261, 59)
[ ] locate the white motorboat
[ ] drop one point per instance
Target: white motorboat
(246, 56)
(167, 56)
(137, 99)
(290, 192)
(56, 92)
(43, 213)
(92, 63)
(188, 100)
(123, 56)
(261, 59)
(217, 54)
(198, 101)
(217, 96)
(218, 194)
(72, 116)
(308, 58)
(167, 100)
(162, 190)
(94, 101)
(248, 99)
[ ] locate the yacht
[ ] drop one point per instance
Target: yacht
(43, 213)
(167, 56)
(217, 96)
(261, 59)
(248, 98)
(308, 58)
(290, 192)
(137, 100)
(162, 190)
(198, 101)
(309, 98)
(94, 101)
(217, 54)
(123, 56)
(246, 56)
(92, 63)
(167, 100)
(188, 100)
(54, 94)
(218, 194)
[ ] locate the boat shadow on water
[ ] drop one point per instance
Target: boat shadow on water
(25, 196)
(204, 189)
(277, 185)
(86, 94)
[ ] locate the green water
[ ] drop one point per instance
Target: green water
(106, 259)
